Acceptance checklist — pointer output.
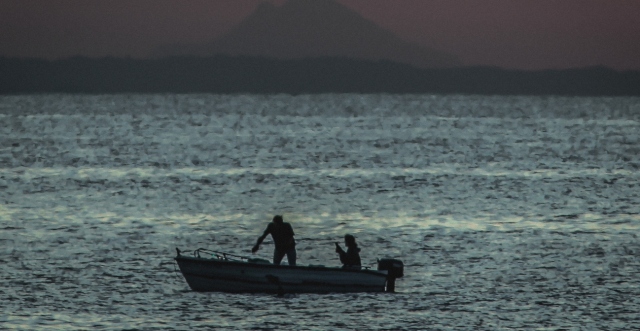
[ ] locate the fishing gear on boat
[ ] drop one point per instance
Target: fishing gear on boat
(220, 255)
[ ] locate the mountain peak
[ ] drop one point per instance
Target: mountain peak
(304, 5)
(264, 7)
(318, 28)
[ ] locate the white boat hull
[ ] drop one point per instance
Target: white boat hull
(220, 275)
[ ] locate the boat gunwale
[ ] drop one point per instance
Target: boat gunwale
(205, 260)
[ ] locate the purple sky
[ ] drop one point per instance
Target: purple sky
(521, 34)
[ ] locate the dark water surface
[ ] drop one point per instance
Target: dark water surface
(508, 212)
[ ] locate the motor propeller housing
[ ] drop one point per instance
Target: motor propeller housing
(395, 269)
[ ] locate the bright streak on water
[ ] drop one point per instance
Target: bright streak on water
(509, 212)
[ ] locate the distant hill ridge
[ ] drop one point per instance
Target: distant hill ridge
(226, 74)
(314, 28)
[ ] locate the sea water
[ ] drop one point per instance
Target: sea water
(509, 212)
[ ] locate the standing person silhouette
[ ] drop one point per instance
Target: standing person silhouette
(282, 234)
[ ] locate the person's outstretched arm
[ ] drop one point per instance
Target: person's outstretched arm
(256, 247)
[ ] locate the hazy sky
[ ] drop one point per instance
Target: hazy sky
(522, 34)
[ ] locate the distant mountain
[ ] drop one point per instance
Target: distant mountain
(311, 29)
(238, 74)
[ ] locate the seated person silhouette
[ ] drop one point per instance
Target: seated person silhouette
(350, 258)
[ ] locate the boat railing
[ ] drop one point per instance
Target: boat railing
(233, 257)
(220, 255)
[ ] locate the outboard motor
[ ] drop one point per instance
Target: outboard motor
(395, 269)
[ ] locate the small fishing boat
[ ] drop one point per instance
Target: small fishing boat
(224, 272)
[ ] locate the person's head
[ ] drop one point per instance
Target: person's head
(277, 219)
(350, 241)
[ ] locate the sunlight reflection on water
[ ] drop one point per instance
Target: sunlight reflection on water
(504, 220)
